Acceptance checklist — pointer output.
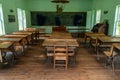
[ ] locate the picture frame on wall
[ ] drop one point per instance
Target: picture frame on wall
(11, 18)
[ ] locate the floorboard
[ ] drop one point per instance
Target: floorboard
(32, 66)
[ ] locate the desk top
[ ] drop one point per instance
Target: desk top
(78, 28)
(35, 29)
(4, 45)
(96, 36)
(15, 36)
(23, 33)
(93, 34)
(52, 42)
(11, 39)
(60, 35)
(116, 45)
(27, 31)
(109, 39)
(41, 31)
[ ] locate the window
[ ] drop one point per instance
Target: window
(21, 19)
(2, 30)
(24, 19)
(98, 16)
(116, 31)
(90, 19)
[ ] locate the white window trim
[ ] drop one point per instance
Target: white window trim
(21, 19)
(98, 16)
(117, 18)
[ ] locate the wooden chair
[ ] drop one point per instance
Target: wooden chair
(72, 54)
(49, 54)
(61, 54)
(110, 57)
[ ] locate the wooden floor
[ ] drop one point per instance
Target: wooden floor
(32, 66)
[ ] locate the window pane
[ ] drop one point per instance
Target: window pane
(116, 31)
(98, 16)
(19, 11)
(21, 19)
(2, 30)
(24, 19)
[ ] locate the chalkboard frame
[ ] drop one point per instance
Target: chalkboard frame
(39, 18)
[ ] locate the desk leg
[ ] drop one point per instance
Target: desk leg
(97, 51)
(1, 56)
(9, 58)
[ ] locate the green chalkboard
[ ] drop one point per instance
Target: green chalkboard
(52, 18)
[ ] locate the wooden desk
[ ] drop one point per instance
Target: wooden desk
(78, 28)
(106, 42)
(30, 35)
(15, 36)
(37, 32)
(40, 30)
(69, 42)
(89, 34)
(59, 28)
(112, 54)
(16, 42)
(24, 38)
(116, 45)
(60, 35)
(93, 34)
(94, 39)
(109, 39)
(78, 31)
(10, 39)
(34, 35)
(22, 33)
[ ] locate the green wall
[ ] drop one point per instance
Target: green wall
(46, 5)
(37, 5)
(8, 5)
(107, 5)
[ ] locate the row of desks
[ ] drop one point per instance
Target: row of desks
(60, 36)
(98, 40)
(110, 44)
(19, 38)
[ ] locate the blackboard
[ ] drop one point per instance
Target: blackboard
(64, 18)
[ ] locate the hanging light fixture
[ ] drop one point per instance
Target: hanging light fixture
(60, 5)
